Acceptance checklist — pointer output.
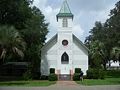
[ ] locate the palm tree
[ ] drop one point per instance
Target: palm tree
(10, 42)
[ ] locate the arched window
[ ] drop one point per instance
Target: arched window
(65, 22)
(65, 58)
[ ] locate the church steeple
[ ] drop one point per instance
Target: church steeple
(65, 11)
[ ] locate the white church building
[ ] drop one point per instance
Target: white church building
(64, 51)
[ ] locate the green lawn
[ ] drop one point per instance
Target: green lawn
(107, 81)
(27, 83)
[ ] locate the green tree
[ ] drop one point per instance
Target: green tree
(96, 33)
(35, 29)
(30, 23)
(10, 43)
(35, 35)
(96, 54)
(108, 33)
(113, 26)
(95, 42)
(15, 12)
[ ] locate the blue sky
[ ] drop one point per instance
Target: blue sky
(86, 13)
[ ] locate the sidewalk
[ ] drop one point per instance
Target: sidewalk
(66, 85)
(71, 85)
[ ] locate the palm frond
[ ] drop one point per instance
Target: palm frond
(3, 54)
(10, 39)
(18, 51)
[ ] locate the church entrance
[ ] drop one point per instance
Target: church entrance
(65, 67)
(65, 72)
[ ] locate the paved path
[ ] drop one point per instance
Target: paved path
(66, 85)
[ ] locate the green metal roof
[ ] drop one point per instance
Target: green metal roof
(65, 10)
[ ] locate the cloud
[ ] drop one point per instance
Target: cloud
(78, 31)
(90, 5)
(86, 12)
(50, 16)
(40, 4)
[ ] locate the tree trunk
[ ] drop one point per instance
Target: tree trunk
(109, 63)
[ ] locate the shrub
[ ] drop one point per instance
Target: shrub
(90, 74)
(77, 70)
(52, 77)
(113, 73)
(27, 75)
(44, 77)
(95, 74)
(52, 70)
(102, 74)
(76, 77)
(36, 75)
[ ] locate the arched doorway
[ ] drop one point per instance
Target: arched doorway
(64, 58)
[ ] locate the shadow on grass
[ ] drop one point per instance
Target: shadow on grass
(10, 78)
(27, 83)
(12, 81)
(13, 84)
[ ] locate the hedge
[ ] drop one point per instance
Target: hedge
(76, 77)
(113, 73)
(95, 74)
(52, 77)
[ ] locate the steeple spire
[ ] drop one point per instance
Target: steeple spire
(65, 10)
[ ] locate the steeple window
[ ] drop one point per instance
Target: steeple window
(65, 22)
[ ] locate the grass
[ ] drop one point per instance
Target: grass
(27, 83)
(107, 81)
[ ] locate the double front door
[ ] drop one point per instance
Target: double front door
(65, 73)
(65, 69)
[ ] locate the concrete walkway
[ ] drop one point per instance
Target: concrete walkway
(66, 85)
(71, 85)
